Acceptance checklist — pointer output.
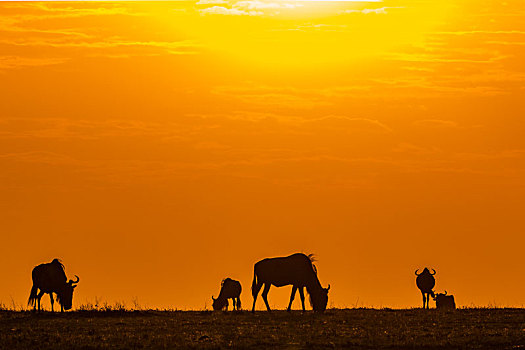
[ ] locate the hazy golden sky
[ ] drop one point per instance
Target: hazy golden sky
(158, 147)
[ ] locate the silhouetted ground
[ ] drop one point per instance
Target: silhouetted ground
(354, 328)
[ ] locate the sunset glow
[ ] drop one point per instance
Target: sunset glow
(159, 147)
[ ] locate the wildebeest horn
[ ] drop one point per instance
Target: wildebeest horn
(327, 289)
(71, 281)
(445, 292)
(434, 272)
(213, 298)
(417, 274)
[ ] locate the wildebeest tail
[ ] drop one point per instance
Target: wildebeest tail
(32, 296)
(254, 282)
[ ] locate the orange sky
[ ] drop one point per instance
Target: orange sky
(160, 147)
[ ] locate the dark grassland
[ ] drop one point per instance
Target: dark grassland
(352, 328)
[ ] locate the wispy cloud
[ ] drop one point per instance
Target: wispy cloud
(261, 5)
(436, 123)
(347, 123)
(272, 96)
(11, 62)
(340, 0)
(60, 128)
(245, 7)
(425, 57)
(220, 10)
(366, 11)
(43, 157)
(211, 2)
(43, 11)
(506, 43)
(482, 32)
(111, 42)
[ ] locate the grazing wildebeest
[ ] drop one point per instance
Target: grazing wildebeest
(230, 289)
(444, 301)
(50, 278)
(297, 270)
(425, 282)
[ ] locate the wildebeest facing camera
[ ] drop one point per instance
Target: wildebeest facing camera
(425, 281)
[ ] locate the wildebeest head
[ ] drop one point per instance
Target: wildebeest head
(426, 272)
(319, 299)
(439, 295)
(219, 303)
(425, 280)
(444, 301)
(65, 294)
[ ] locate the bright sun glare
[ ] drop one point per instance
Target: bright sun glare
(306, 33)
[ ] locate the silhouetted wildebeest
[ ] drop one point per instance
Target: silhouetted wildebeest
(50, 278)
(444, 301)
(425, 282)
(297, 270)
(230, 289)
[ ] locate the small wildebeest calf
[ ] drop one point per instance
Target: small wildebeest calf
(50, 278)
(425, 282)
(444, 301)
(230, 289)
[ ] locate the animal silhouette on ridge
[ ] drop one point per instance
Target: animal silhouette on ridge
(425, 281)
(51, 278)
(297, 270)
(444, 301)
(230, 289)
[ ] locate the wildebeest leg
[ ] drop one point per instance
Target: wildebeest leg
(38, 297)
(265, 295)
(255, 292)
(52, 301)
(301, 294)
(292, 297)
(424, 299)
(238, 303)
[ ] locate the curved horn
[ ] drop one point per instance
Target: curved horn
(71, 281)
(445, 292)
(434, 272)
(213, 298)
(417, 274)
(327, 289)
